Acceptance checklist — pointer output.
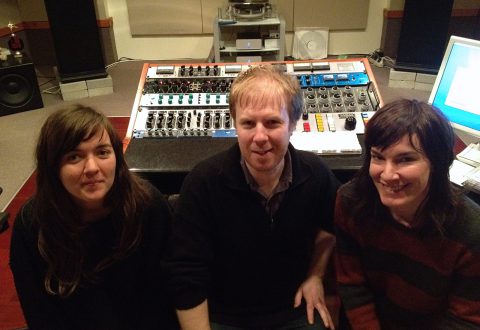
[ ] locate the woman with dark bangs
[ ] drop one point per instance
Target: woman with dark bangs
(408, 242)
(86, 250)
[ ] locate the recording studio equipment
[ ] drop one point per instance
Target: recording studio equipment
(249, 9)
(187, 101)
(423, 40)
(181, 115)
(76, 40)
(18, 86)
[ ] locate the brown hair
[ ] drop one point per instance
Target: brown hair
(436, 138)
(60, 240)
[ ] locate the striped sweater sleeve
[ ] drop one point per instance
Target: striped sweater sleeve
(463, 310)
(353, 289)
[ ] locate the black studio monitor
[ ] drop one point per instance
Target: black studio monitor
(424, 35)
(76, 39)
(19, 89)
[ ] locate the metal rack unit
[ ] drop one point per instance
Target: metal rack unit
(270, 30)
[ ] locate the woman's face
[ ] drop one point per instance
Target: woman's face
(88, 171)
(401, 175)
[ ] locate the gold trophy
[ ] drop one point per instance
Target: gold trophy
(15, 44)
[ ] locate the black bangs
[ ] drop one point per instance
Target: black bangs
(390, 124)
(382, 135)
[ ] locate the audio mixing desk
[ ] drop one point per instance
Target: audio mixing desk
(180, 115)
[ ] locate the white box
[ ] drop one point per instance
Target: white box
(100, 91)
(402, 75)
(271, 43)
(75, 95)
(73, 86)
(248, 59)
(248, 43)
(100, 82)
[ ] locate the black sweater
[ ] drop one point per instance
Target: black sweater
(228, 250)
(130, 294)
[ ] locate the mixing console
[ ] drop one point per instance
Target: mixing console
(188, 101)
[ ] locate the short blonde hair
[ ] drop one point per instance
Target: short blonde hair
(262, 83)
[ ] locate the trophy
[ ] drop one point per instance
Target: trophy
(15, 44)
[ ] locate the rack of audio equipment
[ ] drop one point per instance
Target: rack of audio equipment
(180, 115)
(249, 40)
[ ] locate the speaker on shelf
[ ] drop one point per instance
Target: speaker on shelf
(18, 88)
(76, 39)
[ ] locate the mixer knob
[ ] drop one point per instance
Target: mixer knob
(310, 91)
(164, 88)
(336, 98)
(310, 98)
(350, 123)
(305, 115)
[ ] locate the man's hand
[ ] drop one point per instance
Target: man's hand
(195, 318)
(312, 291)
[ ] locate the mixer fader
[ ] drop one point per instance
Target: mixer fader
(189, 101)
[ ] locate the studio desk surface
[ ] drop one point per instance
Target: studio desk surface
(165, 162)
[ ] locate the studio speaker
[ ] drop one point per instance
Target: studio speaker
(76, 39)
(424, 35)
(19, 89)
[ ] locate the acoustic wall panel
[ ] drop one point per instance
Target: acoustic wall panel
(157, 17)
(335, 15)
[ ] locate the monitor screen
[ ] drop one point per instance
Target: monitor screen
(455, 91)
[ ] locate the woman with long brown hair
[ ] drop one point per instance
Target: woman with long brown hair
(87, 249)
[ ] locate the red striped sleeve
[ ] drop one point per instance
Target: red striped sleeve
(363, 318)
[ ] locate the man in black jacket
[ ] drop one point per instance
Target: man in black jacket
(252, 230)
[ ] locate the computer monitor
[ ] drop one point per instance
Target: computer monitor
(456, 91)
